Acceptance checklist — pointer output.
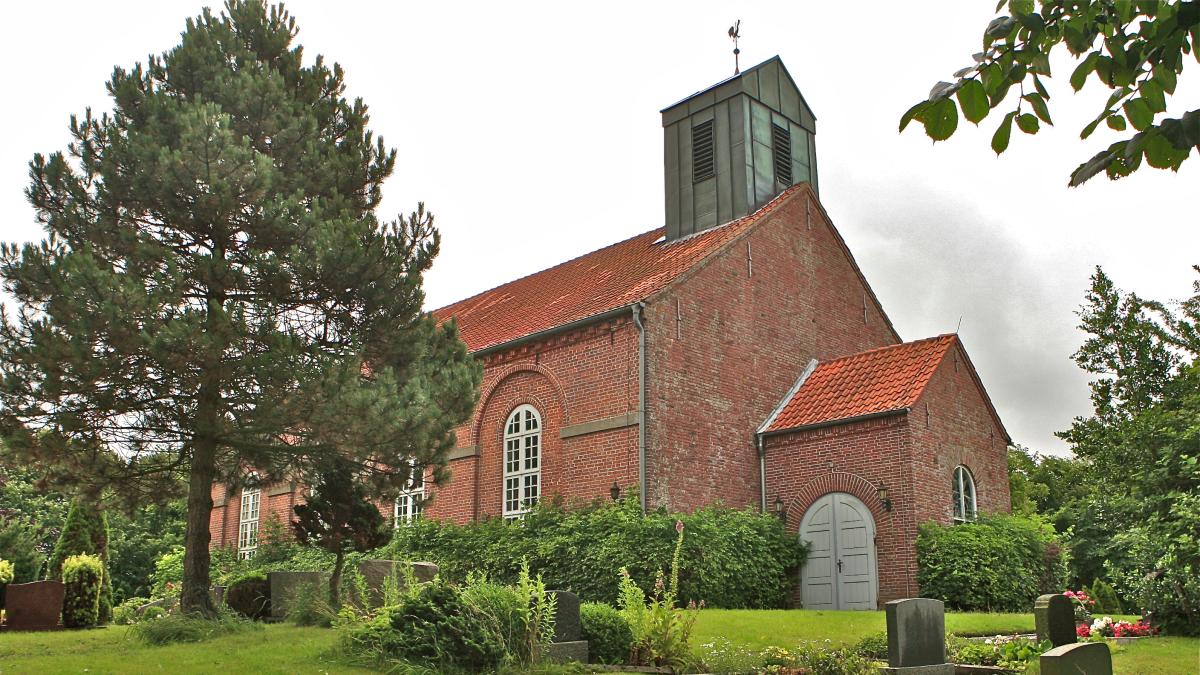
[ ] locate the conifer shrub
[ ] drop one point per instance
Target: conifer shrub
(999, 563)
(83, 577)
(732, 558)
(607, 632)
(1106, 598)
(250, 595)
(85, 531)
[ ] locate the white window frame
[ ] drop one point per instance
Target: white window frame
(248, 517)
(522, 458)
(963, 494)
(410, 503)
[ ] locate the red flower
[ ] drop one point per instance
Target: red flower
(1083, 630)
(679, 526)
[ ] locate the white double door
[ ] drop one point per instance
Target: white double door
(840, 571)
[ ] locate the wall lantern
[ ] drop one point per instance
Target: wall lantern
(883, 496)
(615, 491)
(779, 507)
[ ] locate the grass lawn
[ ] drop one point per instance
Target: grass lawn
(786, 627)
(277, 648)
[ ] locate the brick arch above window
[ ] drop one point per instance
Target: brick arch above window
(506, 374)
(836, 481)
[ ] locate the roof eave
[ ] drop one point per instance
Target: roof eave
(838, 422)
(549, 332)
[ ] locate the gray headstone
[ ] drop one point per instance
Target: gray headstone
(285, 586)
(1084, 658)
(1054, 617)
(34, 606)
(218, 594)
(566, 617)
(916, 630)
(377, 572)
(561, 652)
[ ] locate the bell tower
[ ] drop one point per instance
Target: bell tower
(732, 147)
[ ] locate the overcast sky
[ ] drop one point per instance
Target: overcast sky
(532, 131)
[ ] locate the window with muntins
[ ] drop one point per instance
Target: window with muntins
(411, 499)
(522, 461)
(248, 523)
(964, 495)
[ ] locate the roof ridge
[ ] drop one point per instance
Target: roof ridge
(917, 387)
(887, 347)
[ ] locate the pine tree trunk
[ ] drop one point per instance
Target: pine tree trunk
(195, 597)
(335, 581)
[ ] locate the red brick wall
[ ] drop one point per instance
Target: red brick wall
(853, 458)
(746, 334)
(223, 521)
(582, 376)
(952, 425)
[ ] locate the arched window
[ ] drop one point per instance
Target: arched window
(248, 523)
(522, 461)
(964, 495)
(412, 498)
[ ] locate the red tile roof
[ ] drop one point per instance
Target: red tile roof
(876, 381)
(608, 279)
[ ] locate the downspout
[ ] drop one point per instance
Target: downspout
(762, 474)
(637, 321)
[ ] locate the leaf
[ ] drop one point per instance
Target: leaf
(1041, 90)
(963, 72)
(1093, 166)
(1003, 133)
(1087, 131)
(1152, 92)
(1183, 133)
(1139, 114)
(1039, 107)
(943, 90)
(1020, 7)
(1116, 122)
(1166, 77)
(1161, 154)
(998, 28)
(1028, 123)
(940, 119)
(1079, 77)
(912, 112)
(973, 100)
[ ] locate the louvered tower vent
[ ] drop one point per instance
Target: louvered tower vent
(732, 147)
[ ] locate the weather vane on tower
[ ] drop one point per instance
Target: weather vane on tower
(733, 35)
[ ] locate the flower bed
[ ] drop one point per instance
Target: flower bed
(1105, 627)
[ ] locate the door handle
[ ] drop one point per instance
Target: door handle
(839, 564)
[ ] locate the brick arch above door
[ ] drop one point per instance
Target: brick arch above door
(834, 481)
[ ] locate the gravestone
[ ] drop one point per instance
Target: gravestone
(1054, 618)
(568, 643)
(1084, 658)
(916, 630)
(285, 586)
(34, 606)
(166, 604)
(377, 572)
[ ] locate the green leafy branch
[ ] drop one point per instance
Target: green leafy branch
(1139, 63)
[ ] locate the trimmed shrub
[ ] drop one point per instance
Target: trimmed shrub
(250, 595)
(732, 558)
(6, 577)
(85, 532)
(999, 564)
(608, 634)
(431, 627)
(83, 576)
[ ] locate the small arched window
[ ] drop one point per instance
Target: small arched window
(964, 495)
(522, 461)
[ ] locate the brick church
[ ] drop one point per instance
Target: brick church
(736, 354)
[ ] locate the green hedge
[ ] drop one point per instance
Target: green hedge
(83, 576)
(607, 632)
(731, 558)
(250, 595)
(998, 564)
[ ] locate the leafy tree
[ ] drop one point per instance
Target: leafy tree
(1136, 49)
(1140, 447)
(213, 280)
(1027, 494)
(18, 545)
(339, 517)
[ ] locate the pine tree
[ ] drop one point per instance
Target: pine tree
(85, 532)
(339, 517)
(216, 298)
